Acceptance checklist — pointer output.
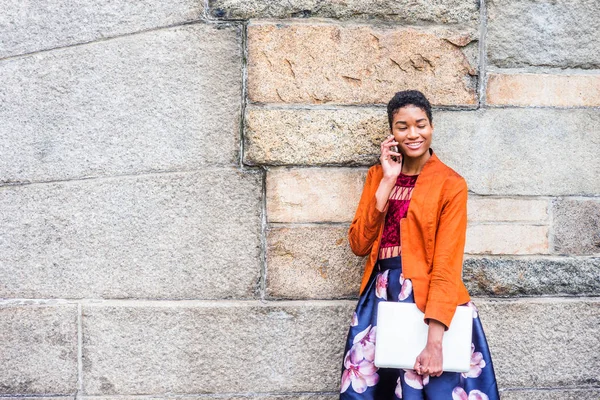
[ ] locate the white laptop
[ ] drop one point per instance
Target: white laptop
(397, 346)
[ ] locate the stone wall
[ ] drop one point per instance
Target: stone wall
(177, 179)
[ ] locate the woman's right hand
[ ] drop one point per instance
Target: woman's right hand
(391, 168)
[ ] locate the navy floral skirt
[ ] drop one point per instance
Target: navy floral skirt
(361, 379)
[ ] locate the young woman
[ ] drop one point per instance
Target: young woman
(411, 221)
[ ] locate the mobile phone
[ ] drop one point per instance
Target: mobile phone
(395, 150)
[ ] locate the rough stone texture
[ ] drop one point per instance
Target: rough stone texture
(37, 25)
(171, 236)
(551, 394)
(346, 136)
(313, 194)
(496, 209)
(313, 262)
(533, 160)
(557, 33)
(445, 11)
(544, 90)
(543, 343)
(506, 239)
(223, 347)
(358, 64)
(254, 396)
(576, 226)
(39, 349)
(162, 100)
(495, 276)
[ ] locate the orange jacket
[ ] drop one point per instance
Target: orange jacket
(432, 237)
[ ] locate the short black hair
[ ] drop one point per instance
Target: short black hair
(405, 98)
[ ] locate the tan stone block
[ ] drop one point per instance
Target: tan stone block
(506, 239)
(544, 90)
(506, 209)
(313, 194)
(358, 64)
(313, 262)
(346, 136)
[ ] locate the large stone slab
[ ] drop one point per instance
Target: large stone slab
(576, 224)
(358, 64)
(445, 11)
(543, 33)
(209, 347)
(539, 276)
(313, 194)
(174, 236)
(272, 347)
(498, 151)
(39, 349)
(312, 262)
(29, 26)
(162, 100)
(552, 394)
(253, 396)
(543, 343)
(528, 89)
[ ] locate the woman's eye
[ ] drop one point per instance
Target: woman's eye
(422, 127)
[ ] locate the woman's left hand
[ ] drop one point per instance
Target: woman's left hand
(429, 362)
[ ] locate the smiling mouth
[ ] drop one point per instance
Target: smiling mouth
(415, 145)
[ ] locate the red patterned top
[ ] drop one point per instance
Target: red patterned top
(397, 207)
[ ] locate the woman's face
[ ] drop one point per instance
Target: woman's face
(412, 130)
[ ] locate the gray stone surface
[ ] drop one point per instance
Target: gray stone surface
(498, 151)
(312, 262)
(38, 349)
(552, 394)
(169, 236)
(501, 276)
(558, 33)
(209, 347)
(29, 26)
(444, 11)
(253, 396)
(543, 343)
(162, 100)
(576, 226)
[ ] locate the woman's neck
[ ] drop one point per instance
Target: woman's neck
(413, 166)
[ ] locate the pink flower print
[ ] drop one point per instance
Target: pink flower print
(364, 343)
(415, 380)
(354, 319)
(381, 285)
(398, 391)
(459, 394)
(477, 364)
(406, 289)
(472, 305)
(359, 372)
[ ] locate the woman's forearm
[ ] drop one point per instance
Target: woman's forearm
(383, 192)
(435, 332)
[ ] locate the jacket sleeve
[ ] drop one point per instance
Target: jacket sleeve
(364, 228)
(446, 273)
